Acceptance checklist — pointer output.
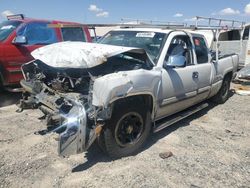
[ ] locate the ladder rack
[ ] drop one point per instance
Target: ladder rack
(219, 25)
(230, 24)
(126, 21)
(142, 23)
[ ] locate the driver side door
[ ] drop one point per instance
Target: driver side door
(179, 83)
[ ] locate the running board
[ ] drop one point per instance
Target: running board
(179, 116)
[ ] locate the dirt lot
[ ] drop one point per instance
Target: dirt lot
(211, 149)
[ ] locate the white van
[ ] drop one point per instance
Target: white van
(231, 39)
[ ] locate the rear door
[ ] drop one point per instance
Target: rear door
(203, 68)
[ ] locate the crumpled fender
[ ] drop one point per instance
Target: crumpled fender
(111, 87)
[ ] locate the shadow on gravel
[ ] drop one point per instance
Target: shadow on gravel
(95, 154)
(9, 98)
(231, 93)
(183, 123)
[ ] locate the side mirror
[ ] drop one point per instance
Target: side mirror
(20, 40)
(176, 61)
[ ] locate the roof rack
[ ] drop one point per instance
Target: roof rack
(128, 21)
(141, 23)
(16, 17)
(221, 23)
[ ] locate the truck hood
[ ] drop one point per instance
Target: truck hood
(80, 54)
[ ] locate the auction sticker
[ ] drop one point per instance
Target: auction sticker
(146, 34)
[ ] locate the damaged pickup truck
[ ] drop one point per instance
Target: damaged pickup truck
(134, 81)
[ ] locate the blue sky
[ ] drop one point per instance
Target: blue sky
(111, 11)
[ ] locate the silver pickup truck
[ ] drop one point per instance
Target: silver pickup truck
(116, 91)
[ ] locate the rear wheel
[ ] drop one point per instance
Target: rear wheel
(127, 130)
(223, 93)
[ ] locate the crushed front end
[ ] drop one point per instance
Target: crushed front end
(75, 85)
(64, 98)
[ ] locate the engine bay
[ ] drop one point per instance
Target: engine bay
(79, 80)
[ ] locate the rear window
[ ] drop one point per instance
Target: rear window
(73, 34)
(246, 34)
(230, 35)
(201, 50)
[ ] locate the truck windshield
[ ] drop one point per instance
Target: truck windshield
(151, 42)
(7, 27)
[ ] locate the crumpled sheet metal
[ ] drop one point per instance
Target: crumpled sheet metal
(244, 73)
(79, 54)
(111, 87)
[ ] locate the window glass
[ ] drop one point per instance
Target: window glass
(7, 27)
(180, 46)
(201, 50)
(246, 34)
(38, 33)
(230, 35)
(151, 42)
(73, 34)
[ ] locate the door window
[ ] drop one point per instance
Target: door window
(201, 50)
(73, 34)
(7, 27)
(180, 46)
(38, 33)
(246, 34)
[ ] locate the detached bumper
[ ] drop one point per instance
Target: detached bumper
(72, 140)
(65, 116)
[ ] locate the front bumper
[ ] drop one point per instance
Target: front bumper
(72, 139)
(65, 115)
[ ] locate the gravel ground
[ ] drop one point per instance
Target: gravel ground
(210, 149)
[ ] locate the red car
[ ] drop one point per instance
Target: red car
(19, 36)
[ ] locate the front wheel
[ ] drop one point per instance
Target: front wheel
(223, 93)
(127, 130)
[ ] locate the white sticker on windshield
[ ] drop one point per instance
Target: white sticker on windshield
(147, 34)
(7, 27)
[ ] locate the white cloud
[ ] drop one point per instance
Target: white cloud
(103, 14)
(228, 11)
(247, 9)
(6, 13)
(178, 15)
(98, 11)
(94, 8)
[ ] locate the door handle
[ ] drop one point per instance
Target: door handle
(195, 75)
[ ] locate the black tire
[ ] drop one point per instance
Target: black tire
(1, 86)
(129, 121)
(223, 94)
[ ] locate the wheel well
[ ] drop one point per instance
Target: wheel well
(229, 75)
(146, 99)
